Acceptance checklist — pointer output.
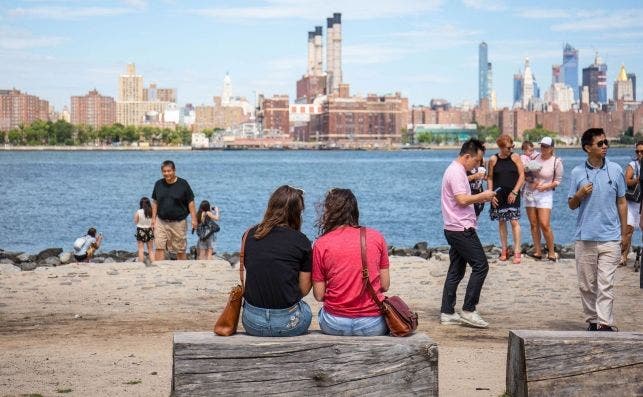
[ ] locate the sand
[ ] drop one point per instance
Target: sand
(106, 329)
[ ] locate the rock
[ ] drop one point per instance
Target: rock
(193, 253)
(52, 261)
(25, 266)
(109, 260)
(8, 267)
(6, 261)
(98, 259)
(233, 259)
(422, 246)
(9, 255)
(65, 257)
(439, 256)
(400, 252)
(24, 257)
(48, 253)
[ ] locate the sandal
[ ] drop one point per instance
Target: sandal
(553, 258)
(503, 254)
(517, 258)
(536, 257)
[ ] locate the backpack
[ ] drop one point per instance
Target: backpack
(207, 229)
(79, 242)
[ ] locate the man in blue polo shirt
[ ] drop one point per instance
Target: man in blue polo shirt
(598, 190)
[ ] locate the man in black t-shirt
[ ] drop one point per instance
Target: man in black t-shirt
(172, 201)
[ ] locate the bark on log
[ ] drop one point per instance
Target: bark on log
(205, 364)
(560, 363)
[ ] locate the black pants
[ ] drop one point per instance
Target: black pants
(465, 248)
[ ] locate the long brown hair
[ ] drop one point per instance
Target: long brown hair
(285, 207)
(340, 209)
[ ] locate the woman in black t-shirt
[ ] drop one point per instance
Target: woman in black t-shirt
(278, 266)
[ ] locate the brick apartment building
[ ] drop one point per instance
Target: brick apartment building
(274, 114)
(93, 109)
(18, 108)
(372, 117)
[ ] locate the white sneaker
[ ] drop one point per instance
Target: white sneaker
(450, 319)
(473, 319)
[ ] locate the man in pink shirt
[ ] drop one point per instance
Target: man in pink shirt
(460, 231)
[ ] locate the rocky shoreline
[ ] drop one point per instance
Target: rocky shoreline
(52, 257)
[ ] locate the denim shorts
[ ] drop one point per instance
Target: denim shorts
(346, 326)
(276, 322)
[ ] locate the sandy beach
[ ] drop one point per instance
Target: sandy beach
(106, 329)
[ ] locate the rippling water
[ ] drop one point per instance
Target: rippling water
(47, 199)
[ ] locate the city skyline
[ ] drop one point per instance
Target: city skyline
(55, 49)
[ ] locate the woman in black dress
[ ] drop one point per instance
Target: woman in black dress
(506, 173)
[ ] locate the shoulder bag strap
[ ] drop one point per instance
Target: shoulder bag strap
(553, 179)
(367, 282)
(242, 256)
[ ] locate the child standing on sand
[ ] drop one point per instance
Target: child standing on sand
(144, 233)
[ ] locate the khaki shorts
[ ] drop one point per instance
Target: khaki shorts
(171, 235)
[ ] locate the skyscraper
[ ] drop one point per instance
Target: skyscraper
(632, 76)
(226, 94)
(570, 68)
(517, 88)
(527, 85)
(483, 72)
(623, 87)
(595, 79)
(555, 74)
(130, 85)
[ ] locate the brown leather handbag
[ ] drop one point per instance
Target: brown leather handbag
(401, 320)
(228, 321)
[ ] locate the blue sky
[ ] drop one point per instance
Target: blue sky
(422, 48)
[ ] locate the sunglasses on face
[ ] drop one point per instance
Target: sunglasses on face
(602, 143)
(638, 151)
(510, 147)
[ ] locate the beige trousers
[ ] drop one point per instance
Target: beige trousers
(596, 263)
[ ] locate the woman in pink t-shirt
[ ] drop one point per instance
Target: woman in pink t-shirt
(337, 270)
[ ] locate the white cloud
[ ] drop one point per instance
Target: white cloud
(14, 39)
(607, 21)
(67, 13)
(316, 9)
(485, 5)
(544, 13)
(138, 4)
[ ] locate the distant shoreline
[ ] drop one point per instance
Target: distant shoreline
(397, 148)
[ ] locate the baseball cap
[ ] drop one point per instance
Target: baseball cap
(547, 141)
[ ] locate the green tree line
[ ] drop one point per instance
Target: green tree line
(60, 132)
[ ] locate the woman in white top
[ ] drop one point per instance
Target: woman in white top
(544, 173)
(144, 233)
(632, 172)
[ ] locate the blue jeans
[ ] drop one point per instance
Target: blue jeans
(346, 326)
(276, 322)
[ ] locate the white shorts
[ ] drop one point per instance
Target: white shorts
(536, 199)
(633, 214)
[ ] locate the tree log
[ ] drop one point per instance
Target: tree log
(561, 363)
(205, 364)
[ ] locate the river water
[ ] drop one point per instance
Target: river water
(47, 199)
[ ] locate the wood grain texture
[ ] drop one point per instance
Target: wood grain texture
(545, 363)
(315, 364)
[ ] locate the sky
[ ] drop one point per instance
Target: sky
(422, 48)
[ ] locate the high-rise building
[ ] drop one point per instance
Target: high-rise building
(275, 114)
(483, 71)
(18, 108)
(153, 93)
(570, 68)
(93, 109)
(555, 74)
(334, 52)
(226, 93)
(527, 85)
(139, 106)
(130, 85)
(518, 80)
(623, 87)
(561, 96)
(595, 79)
(632, 76)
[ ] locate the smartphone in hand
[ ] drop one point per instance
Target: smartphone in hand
(497, 190)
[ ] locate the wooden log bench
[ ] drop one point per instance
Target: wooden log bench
(577, 363)
(205, 364)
